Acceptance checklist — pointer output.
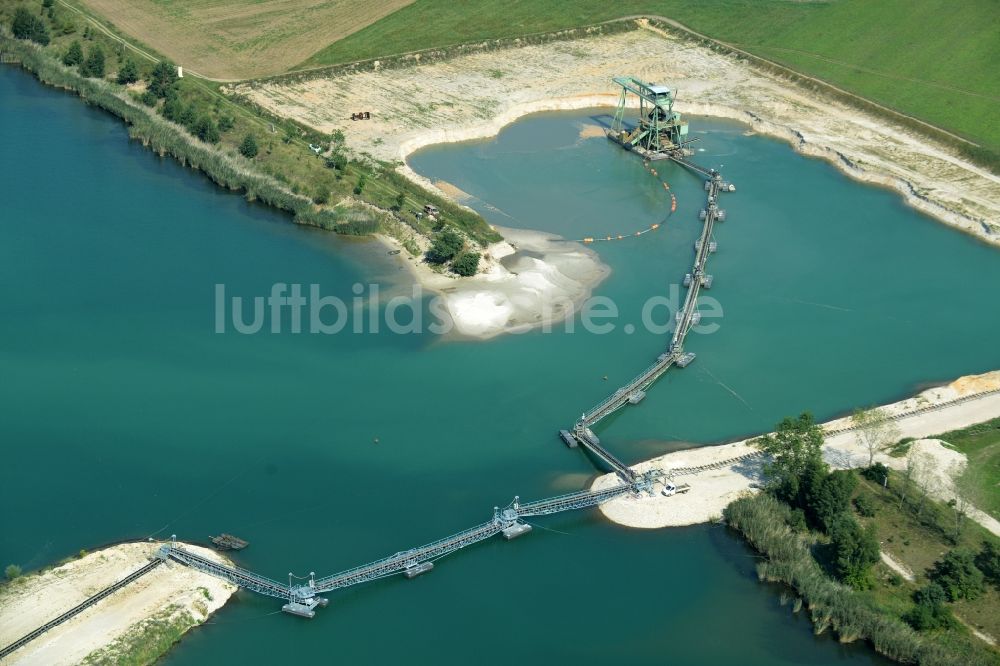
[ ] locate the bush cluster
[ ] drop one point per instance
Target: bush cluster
(466, 264)
(445, 246)
(958, 575)
(26, 25)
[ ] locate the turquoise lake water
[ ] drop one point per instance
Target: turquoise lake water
(125, 414)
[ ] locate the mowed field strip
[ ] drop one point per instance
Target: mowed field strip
(229, 39)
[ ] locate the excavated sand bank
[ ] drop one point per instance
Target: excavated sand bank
(169, 594)
(712, 490)
(474, 96)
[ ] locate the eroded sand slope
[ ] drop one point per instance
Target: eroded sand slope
(163, 594)
(473, 96)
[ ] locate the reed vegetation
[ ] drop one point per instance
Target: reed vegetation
(765, 523)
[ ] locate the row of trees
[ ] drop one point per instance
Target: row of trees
(192, 116)
(93, 65)
(26, 25)
(92, 57)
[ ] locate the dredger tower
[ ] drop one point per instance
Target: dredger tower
(660, 131)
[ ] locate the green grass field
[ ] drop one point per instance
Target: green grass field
(981, 443)
(932, 59)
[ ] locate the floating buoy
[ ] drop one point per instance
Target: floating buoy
(652, 227)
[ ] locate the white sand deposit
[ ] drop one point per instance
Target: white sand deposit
(531, 279)
(169, 589)
(712, 490)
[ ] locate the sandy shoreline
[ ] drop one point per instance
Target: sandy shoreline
(915, 196)
(930, 412)
(474, 96)
(530, 279)
(166, 594)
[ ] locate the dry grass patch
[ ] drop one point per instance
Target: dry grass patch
(228, 39)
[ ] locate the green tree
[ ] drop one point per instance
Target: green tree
(189, 116)
(205, 129)
(173, 108)
(12, 571)
(360, 186)
(248, 148)
(794, 449)
(878, 473)
(988, 561)
(162, 78)
(337, 138)
(855, 550)
(74, 54)
(930, 611)
(466, 264)
(828, 496)
(148, 98)
(864, 505)
(48, 4)
(93, 66)
(226, 123)
(400, 201)
(445, 246)
(128, 73)
(336, 161)
(26, 25)
(958, 575)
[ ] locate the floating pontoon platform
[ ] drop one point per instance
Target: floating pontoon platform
(228, 542)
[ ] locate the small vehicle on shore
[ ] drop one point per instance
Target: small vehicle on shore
(669, 489)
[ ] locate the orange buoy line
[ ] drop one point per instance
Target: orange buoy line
(652, 227)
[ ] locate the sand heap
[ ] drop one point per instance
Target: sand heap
(530, 279)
